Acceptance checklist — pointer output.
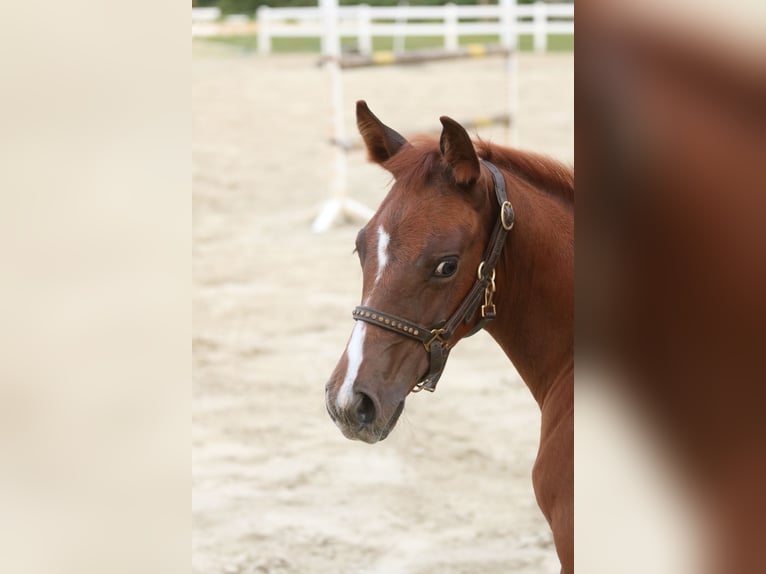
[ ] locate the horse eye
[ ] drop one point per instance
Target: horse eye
(446, 268)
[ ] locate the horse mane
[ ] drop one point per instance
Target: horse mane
(541, 171)
(418, 160)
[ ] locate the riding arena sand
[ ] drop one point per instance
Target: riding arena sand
(276, 488)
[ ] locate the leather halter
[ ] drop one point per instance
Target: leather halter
(436, 339)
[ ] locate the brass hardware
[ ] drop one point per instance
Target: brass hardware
(423, 385)
(507, 226)
(437, 334)
(488, 309)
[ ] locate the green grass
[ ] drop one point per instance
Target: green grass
(249, 43)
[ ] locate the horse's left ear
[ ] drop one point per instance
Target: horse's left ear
(457, 149)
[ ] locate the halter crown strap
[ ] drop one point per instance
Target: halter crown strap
(436, 339)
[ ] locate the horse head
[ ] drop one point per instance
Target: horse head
(419, 253)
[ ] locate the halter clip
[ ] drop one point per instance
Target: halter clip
(488, 309)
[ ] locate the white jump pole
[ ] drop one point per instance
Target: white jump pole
(340, 205)
(510, 41)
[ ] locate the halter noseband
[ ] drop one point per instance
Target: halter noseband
(436, 339)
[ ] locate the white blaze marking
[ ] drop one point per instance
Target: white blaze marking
(355, 348)
(354, 356)
(383, 238)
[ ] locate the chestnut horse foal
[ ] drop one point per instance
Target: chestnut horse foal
(470, 236)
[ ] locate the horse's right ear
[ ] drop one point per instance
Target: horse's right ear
(382, 142)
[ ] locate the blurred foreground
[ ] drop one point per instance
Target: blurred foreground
(671, 316)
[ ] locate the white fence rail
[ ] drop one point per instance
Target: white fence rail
(210, 22)
(449, 21)
(204, 21)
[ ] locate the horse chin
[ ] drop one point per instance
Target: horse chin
(392, 421)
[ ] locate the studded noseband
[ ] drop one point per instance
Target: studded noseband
(436, 339)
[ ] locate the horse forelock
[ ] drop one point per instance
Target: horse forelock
(417, 162)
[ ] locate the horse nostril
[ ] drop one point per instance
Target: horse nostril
(365, 410)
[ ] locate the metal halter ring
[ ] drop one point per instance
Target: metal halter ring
(480, 274)
(424, 386)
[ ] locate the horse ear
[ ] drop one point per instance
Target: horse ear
(382, 142)
(457, 149)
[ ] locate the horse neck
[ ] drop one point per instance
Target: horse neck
(535, 291)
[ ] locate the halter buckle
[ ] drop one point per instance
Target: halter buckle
(507, 216)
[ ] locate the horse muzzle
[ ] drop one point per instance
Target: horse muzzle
(361, 417)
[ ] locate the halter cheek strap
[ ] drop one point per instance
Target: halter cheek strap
(436, 340)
